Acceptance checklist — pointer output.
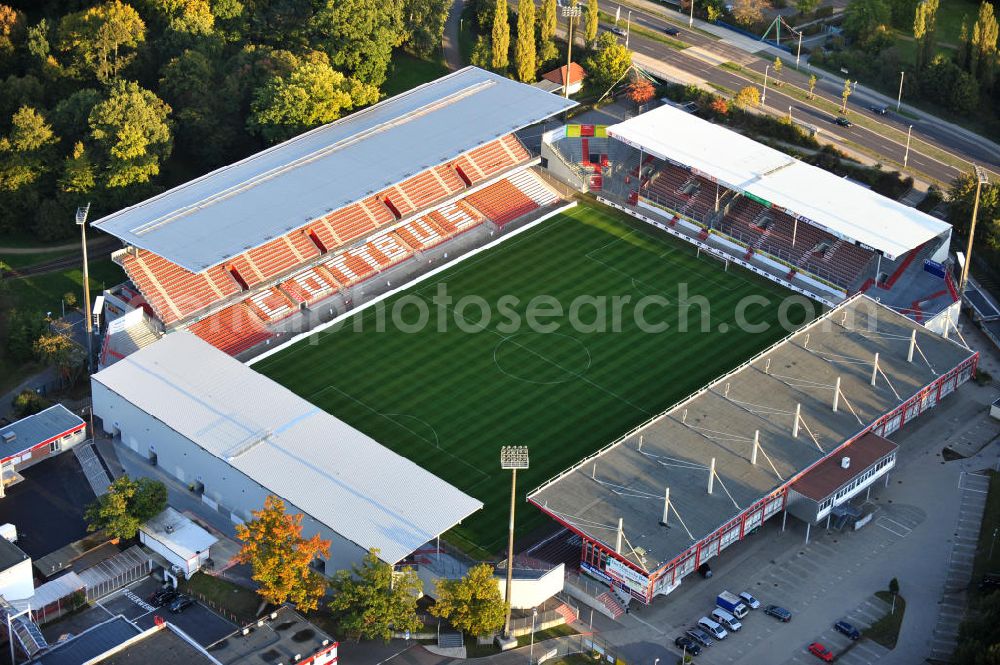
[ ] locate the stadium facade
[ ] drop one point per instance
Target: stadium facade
(666, 497)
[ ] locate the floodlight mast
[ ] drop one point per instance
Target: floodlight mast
(569, 13)
(982, 178)
(513, 458)
(81, 221)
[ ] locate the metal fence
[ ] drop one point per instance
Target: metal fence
(559, 647)
(116, 572)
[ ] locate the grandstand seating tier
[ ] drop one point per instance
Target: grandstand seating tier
(233, 329)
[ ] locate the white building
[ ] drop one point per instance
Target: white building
(235, 437)
(178, 540)
(34, 438)
(16, 576)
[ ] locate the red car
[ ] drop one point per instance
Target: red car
(821, 652)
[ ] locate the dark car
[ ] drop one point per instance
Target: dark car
(705, 570)
(671, 30)
(700, 636)
(847, 629)
(181, 603)
(990, 582)
(878, 110)
(843, 122)
(688, 645)
(778, 612)
(163, 597)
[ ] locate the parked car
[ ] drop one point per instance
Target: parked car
(778, 612)
(705, 570)
(731, 603)
(163, 597)
(731, 623)
(847, 629)
(713, 628)
(686, 644)
(989, 582)
(843, 122)
(181, 603)
(700, 636)
(618, 31)
(879, 110)
(821, 652)
(671, 30)
(749, 600)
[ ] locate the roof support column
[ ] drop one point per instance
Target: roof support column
(913, 343)
(756, 445)
(798, 417)
(875, 368)
(836, 395)
(711, 476)
(618, 538)
(666, 506)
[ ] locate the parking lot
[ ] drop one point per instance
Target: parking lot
(202, 624)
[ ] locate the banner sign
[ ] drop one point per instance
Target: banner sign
(934, 268)
(633, 579)
(595, 572)
(766, 204)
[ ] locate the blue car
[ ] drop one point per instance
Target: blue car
(847, 629)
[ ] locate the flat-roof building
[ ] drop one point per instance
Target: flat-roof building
(235, 437)
(36, 437)
(679, 489)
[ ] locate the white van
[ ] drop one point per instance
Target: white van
(713, 628)
(726, 619)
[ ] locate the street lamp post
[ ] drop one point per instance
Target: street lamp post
(513, 458)
(906, 155)
(982, 178)
(81, 221)
(899, 99)
(691, 18)
(628, 27)
(789, 114)
(531, 649)
(798, 53)
(993, 542)
(763, 98)
(569, 13)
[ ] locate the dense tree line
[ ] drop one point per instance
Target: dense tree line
(113, 101)
(964, 83)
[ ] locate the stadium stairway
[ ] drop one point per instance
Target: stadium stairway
(567, 613)
(613, 605)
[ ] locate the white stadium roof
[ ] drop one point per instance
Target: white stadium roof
(838, 205)
(339, 476)
(241, 206)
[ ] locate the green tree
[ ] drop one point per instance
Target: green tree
(866, 22)
(748, 97)
(547, 21)
(482, 53)
(71, 116)
(590, 21)
(609, 62)
(189, 82)
(23, 328)
(231, 19)
(371, 601)
(424, 21)
(924, 31)
(963, 56)
(57, 350)
(28, 403)
(894, 586)
(132, 134)
(11, 30)
(524, 49)
(500, 37)
(280, 558)
(778, 68)
(192, 17)
(126, 506)
(945, 83)
(102, 40)
(806, 6)
(961, 197)
(312, 94)
(749, 12)
(79, 175)
(845, 93)
(358, 36)
(25, 153)
(472, 604)
(983, 47)
(812, 85)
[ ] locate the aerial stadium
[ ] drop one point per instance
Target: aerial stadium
(277, 274)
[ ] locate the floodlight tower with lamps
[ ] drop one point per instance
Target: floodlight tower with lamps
(982, 178)
(81, 221)
(569, 13)
(513, 458)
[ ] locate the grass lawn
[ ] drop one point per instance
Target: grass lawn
(561, 630)
(236, 600)
(885, 631)
(27, 260)
(449, 400)
(983, 563)
(949, 19)
(408, 72)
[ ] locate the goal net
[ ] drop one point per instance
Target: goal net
(712, 256)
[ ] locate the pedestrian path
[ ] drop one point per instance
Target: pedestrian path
(973, 488)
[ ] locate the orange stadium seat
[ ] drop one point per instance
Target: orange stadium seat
(233, 329)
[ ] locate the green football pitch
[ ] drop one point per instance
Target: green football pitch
(448, 397)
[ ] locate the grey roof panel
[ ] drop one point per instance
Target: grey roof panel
(38, 428)
(238, 207)
(628, 479)
(341, 477)
(91, 643)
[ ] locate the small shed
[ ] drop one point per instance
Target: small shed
(557, 79)
(179, 540)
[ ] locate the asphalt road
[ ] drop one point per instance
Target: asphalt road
(934, 133)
